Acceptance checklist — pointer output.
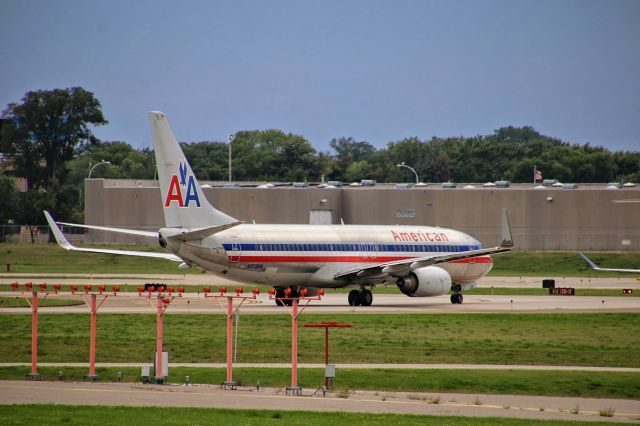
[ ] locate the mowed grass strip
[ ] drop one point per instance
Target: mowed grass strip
(561, 264)
(599, 339)
(21, 302)
(104, 415)
(592, 384)
(51, 258)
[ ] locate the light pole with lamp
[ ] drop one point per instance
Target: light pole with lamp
(96, 165)
(231, 138)
(410, 168)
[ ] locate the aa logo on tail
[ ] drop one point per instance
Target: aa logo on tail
(183, 185)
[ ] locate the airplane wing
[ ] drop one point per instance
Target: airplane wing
(597, 268)
(402, 267)
(65, 244)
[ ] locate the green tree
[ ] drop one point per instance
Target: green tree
(273, 155)
(32, 203)
(46, 130)
(209, 160)
(347, 152)
(9, 206)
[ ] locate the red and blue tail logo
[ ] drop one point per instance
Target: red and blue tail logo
(182, 190)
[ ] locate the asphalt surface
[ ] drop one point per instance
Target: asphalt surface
(441, 404)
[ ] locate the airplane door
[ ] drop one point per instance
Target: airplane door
(234, 253)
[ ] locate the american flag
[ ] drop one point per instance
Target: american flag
(538, 175)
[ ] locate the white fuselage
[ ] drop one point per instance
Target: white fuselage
(311, 255)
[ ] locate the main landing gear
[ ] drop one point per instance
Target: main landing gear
(456, 297)
(362, 297)
(280, 294)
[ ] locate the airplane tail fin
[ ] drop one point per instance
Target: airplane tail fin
(184, 203)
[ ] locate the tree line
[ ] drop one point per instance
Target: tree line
(47, 139)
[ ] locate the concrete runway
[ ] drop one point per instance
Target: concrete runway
(440, 404)
(337, 303)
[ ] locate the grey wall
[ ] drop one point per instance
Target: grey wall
(590, 218)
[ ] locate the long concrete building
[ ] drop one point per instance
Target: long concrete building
(588, 218)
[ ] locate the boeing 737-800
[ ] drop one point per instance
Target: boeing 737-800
(422, 261)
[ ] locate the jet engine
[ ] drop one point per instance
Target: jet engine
(424, 282)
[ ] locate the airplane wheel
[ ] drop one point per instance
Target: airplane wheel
(279, 294)
(366, 297)
(453, 299)
(460, 298)
(354, 298)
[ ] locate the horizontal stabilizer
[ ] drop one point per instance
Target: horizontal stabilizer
(201, 233)
(151, 234)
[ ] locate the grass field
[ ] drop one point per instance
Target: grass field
(603, 339)
(50, 258)
(512, 382)
(561, 264)
(19, 302)
(102, 415)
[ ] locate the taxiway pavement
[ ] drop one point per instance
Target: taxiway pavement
(441, 404)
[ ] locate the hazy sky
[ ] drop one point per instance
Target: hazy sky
(373, 70)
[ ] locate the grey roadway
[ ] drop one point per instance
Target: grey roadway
(442, 404)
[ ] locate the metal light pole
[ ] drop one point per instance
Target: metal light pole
(231, 138)
(410, 168)
(96, 165)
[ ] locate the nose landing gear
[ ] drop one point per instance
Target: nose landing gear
(456, 298)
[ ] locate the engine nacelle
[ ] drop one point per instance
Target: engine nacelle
(425, 282)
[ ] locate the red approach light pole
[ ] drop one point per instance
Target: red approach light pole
(295, 299)
(327, 326)
(161, 306)
(93, 308)
(33, 303)
(230, 383)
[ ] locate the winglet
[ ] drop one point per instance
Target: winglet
(507, 241)
(591, 264)
(57, 233)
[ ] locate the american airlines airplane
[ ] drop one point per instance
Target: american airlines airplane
(422, 261)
